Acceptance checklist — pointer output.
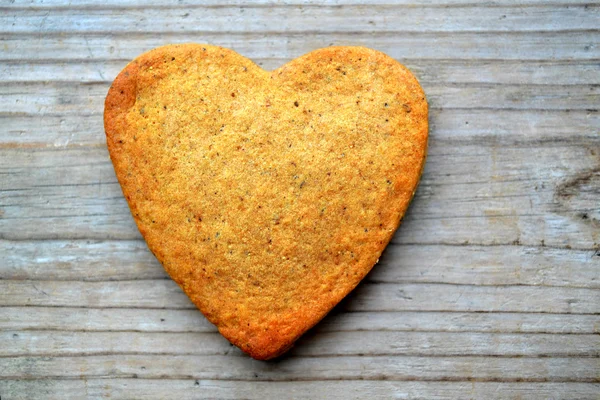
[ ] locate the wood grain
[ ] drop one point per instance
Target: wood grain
(477, 265)
(133, 4)
(193, 389)
(189, 320)
(490, 288)
(57, 343)
(228, 367)
(325, 19)
(464, 46)
(368, 297)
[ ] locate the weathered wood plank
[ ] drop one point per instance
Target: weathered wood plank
(156, 320)
(482, 265)
(381, 4)
(458, 46)
(394, 368)
(292, 19)
(59, 343)
(135, 294)
(477, 265)
(428, 71)
(64, 99)
(526, 126)
(193, 389)
(78, 260)
(510, 127)
(517, 194)
(392, 297)
(367, 297)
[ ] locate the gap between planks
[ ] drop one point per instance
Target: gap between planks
(346, 311)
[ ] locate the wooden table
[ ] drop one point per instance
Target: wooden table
(490, 289)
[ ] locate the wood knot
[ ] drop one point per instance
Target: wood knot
(580, 194)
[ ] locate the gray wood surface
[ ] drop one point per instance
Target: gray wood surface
(490, 289)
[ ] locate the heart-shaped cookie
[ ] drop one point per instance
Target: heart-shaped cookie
(267, 196)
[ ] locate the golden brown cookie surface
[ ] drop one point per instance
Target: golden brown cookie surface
(267, 196)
